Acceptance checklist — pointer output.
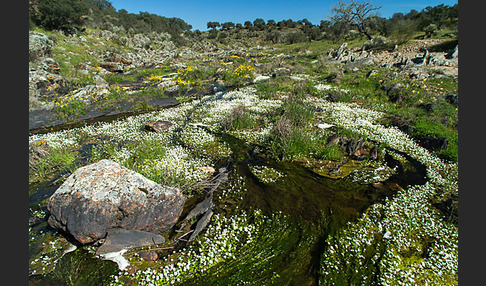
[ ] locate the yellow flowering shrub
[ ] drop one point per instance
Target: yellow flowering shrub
(188, 75)
(241, 74)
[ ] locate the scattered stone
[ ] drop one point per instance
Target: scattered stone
(148, 255)
(112, 66)
(105, 195)
(158, 126)
(90, 92)
(43, 83)
(360, 62)
(452, 99)
(324, 125)
(139, 41)
(281, 72)
(402, 124)
(394, 92)
(113, 57)
(99, 81)
(342, 50)
(417, 73)
(437, 60)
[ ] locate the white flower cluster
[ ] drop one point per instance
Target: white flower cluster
(196, 137)
(404, 237)
(220, 106)
(220, 243)
(121, 155)
(57, 140)
(256, 136)
(176, 163)
(360, 120)
(266, 174)
(200, 141)
(372, 175)
(236, 188)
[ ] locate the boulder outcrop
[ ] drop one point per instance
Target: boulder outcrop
(105, 195)
(40, 46)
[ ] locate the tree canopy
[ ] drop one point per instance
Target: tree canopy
(354, 15)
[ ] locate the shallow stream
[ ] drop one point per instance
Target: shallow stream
(305, 208)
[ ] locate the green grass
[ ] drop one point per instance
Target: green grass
(428, 128)
(56, 161)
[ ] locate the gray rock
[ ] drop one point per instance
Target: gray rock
(341, 51)
(452, 99)
(139, 41)
(105, 195)
(394, 92)
(172, 91)
(44, 83)
(437, 60)
(361, 62)
(39, 46)
(99, 81)
(49, 65)
(201, 224)
(201, 207)
(112, 66)
(453, 54)
(119, 238)
(157, 126)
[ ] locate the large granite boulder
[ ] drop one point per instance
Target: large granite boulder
(105, 195)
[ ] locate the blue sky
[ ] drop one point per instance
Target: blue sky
(198, 13)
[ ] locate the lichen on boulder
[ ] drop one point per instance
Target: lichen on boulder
(105, 195)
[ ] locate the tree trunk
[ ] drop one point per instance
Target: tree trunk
(367, 35)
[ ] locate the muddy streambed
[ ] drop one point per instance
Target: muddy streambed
(301, 209)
